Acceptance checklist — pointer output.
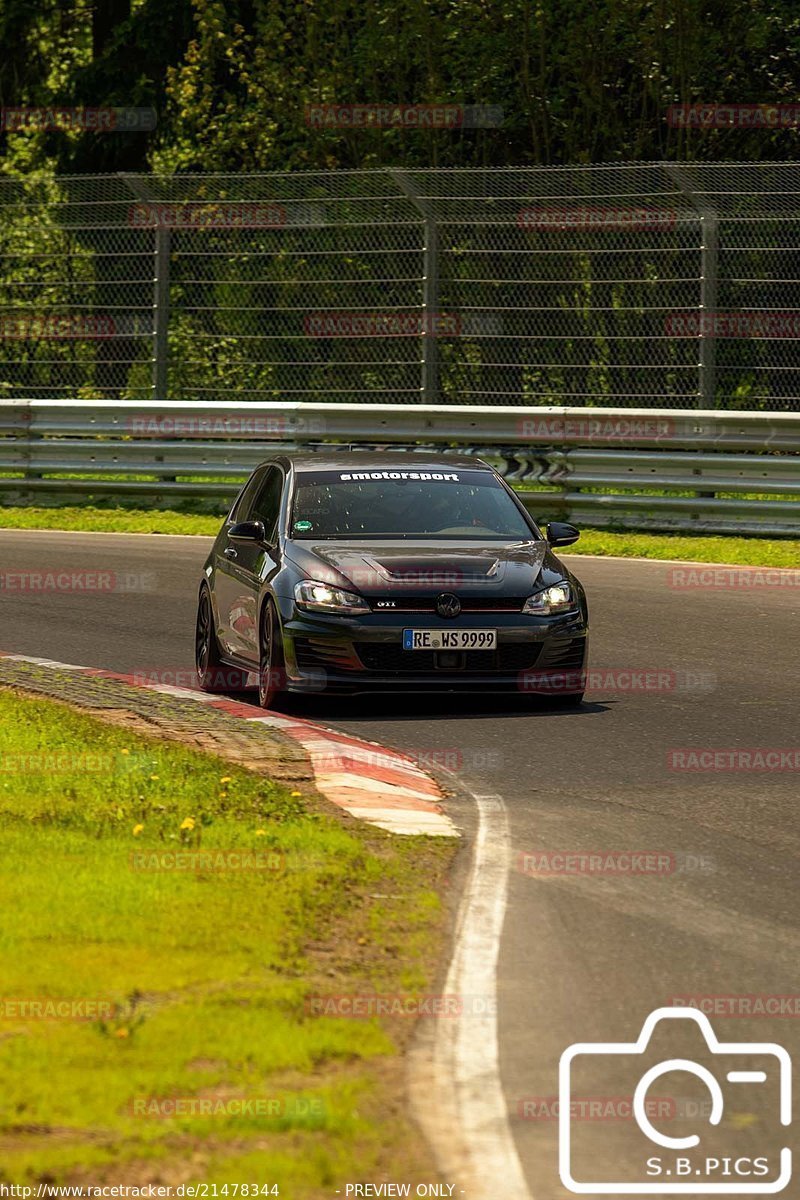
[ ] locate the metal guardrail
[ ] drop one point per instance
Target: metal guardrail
(703, 471)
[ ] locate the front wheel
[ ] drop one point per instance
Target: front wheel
(206, 652)
(270, 658)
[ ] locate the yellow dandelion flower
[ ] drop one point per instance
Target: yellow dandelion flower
(124, 751)
(187, 823)
(121, 1033)
(226, 779)
(297, 793)
(154, 776)
(261, 833)
(137, 829)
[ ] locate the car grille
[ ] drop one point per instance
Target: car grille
(468, 603)
(566, 655)
(325, 654)
(385, 657)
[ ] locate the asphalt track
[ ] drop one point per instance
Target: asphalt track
(587, 952)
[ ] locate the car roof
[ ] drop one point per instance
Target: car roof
(374, 460)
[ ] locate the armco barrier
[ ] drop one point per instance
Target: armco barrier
(704, 471)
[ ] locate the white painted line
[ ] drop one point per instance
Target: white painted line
(43, 662)
(365, 783)
(169, 689)
(405, 821)
(457, 1092)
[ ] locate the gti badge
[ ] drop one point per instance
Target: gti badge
(386, 604)
(448, 605)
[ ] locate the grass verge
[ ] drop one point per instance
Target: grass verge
(758, 552)
(157, 1024)
(79, 518)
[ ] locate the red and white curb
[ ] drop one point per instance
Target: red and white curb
(368, 781)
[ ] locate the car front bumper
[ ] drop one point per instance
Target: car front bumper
(534, 656)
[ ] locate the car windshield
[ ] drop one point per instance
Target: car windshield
(405, 502)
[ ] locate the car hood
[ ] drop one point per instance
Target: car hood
(424, 567)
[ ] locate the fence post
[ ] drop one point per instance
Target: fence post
(430, 304)
(709, 258)
(140, 186)
(25, 430)
(430, 290)
(161, 314)
(709, 272)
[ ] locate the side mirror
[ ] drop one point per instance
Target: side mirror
(247, 531)
(559, 533)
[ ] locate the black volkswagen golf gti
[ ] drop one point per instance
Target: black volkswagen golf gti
(355, 571)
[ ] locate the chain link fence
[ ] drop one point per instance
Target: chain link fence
(640, 285)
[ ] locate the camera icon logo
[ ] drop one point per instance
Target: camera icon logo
(680, 1165)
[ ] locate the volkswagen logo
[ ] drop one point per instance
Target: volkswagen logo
(448, 605)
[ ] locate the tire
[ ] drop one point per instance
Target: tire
(270, 657)
(212, 673)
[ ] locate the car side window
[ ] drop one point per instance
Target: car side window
(243, 506)
(266, 504)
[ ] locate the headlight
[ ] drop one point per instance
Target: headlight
(321, 597)
(555, 599)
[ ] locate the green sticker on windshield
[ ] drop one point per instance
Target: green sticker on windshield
(303, 526)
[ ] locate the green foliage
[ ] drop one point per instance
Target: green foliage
(578, 82)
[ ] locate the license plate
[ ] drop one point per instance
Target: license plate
(449, 639)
